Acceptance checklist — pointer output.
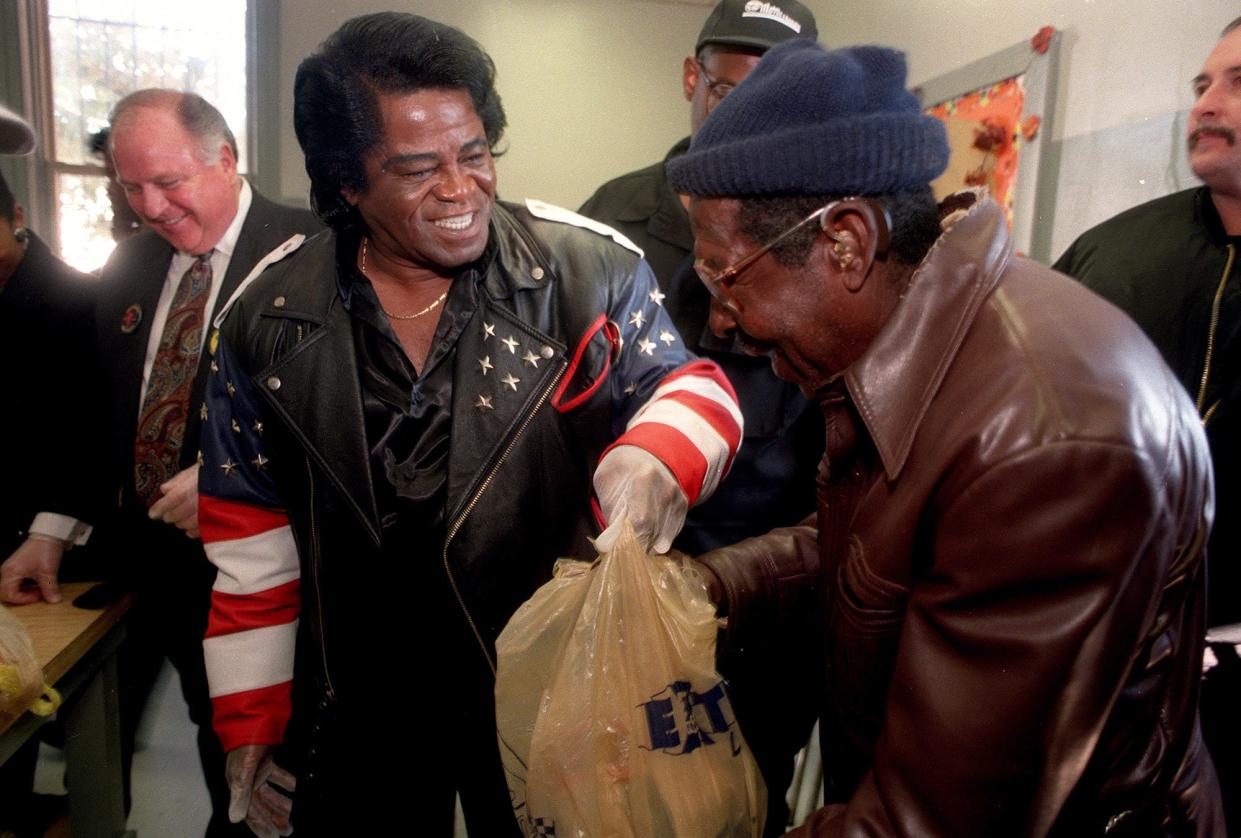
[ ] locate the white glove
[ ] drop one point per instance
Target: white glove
(632, 483)
(265, 810)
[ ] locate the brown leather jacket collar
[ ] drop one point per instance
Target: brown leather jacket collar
(893, 383)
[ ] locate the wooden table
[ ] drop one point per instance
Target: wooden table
(77, 650)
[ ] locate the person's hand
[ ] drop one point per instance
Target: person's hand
(38, 559)
(270, 808)
(632, 483)
(251, 772)
(240, 767)
(178, 502)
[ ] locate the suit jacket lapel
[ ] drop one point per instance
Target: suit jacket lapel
(252, 245)
(139, 284)
(254, 241)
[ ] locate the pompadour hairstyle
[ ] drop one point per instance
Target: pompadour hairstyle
(336, 110)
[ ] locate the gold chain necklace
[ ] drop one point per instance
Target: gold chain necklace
(416, 314)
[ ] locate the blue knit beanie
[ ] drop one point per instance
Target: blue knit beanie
(808, 121)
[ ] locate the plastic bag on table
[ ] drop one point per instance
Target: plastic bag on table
(611, 717)
(21, 679)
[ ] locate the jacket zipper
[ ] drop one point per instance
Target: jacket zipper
(314, 575)
(314, 556)
(469, 507)
(1206, 367)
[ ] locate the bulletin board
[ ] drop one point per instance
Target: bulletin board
(999, 114)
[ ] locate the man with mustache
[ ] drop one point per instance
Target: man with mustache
(1006, 577)
(1171, 264)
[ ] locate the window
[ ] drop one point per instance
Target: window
(100, 50)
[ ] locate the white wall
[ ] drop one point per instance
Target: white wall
(592, 88)
(1126, 60)
(1126, 67)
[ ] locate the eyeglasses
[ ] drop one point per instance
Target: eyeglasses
(719, 282)
(717, 89)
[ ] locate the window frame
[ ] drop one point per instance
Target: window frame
(26, 86)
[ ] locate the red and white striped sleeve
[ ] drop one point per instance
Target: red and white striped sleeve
(255, 602)
(252, 627)
(692, 424)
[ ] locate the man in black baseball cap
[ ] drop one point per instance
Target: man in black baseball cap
(640, 204)
(771, 483)
(757, 25)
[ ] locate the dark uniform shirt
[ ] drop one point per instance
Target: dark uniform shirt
(643, 207)
(771, 483)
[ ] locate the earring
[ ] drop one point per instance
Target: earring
(21, 234)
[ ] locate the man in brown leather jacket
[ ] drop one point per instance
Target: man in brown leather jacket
(1006, 582)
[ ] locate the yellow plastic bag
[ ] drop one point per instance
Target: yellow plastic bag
(611, 718)
(21, 679)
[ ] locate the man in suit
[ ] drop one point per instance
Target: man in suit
(176, 159)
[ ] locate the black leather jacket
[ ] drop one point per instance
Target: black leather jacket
(519, 470)
(1170, 265)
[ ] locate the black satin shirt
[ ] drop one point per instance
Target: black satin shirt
(408, 415)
